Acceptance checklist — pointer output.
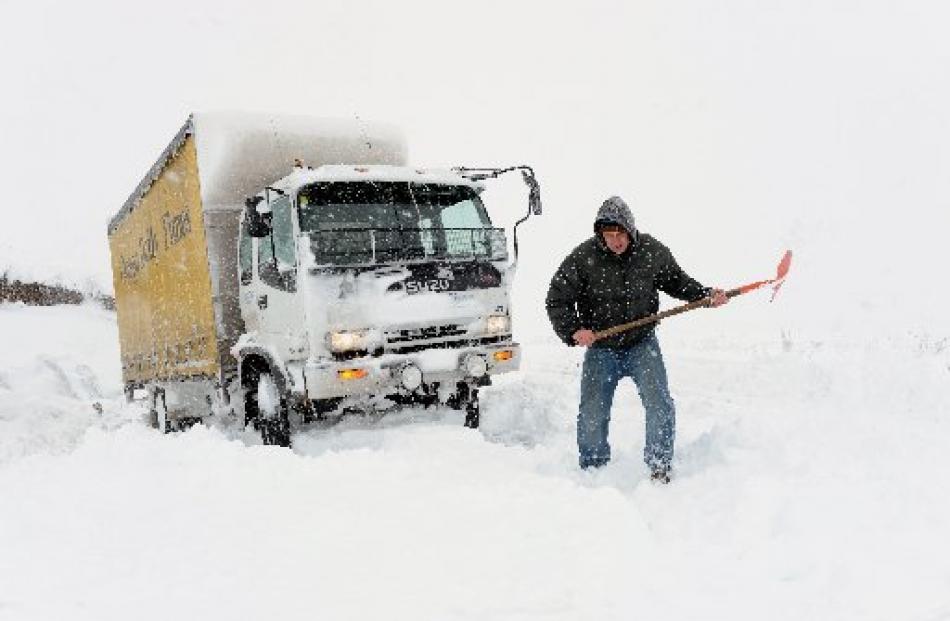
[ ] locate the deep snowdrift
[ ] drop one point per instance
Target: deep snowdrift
(810, 482)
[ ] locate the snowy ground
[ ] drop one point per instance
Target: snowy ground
(810, 484)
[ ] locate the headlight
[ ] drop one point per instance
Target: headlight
(474, 365)
(347, 341)
(410, 376)
(498, 324)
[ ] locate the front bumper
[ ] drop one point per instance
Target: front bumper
(325, 379)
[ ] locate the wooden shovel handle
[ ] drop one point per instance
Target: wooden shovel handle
(782, 271)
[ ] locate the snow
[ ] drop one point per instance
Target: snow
(240, 152)
(810, 482)
(336, 173)
(363, 303)
(811, 470)
(54, 364)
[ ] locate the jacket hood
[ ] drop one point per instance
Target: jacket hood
(615, 211)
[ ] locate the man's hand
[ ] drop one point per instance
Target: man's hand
(717, 297)
(584, 338)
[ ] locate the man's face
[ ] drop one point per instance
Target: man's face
(616, 238)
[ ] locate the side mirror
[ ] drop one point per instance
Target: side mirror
(258, 224)
(534, 193)
(534, 200)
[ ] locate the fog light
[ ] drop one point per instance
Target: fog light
(497, 324)
(410, 376)
(347, 341)
(475, 365)
(502, 356)
(351, 374)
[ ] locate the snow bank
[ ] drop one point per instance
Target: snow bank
(55, 363)
(810, 483)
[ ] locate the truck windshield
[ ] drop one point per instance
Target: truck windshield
(374, 222)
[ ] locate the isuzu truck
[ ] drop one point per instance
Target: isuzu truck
(285, 270)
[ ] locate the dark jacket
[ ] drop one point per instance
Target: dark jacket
(597, 289)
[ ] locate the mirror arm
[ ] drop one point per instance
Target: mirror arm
(527, 173)
(517, 224)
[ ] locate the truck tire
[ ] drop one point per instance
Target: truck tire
(472, 414)
(264, 405)
(472, 408)
(466, 398)
(158, 413)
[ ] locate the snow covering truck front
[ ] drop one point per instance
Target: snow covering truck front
(365, 286)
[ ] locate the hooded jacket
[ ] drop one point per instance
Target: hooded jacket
(596, 289)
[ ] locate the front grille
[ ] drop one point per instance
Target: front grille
(409, 335)
(451, 344)
(406, 340)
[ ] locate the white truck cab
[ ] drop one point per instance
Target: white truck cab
(363, 286)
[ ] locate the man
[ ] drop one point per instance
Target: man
(613, 278)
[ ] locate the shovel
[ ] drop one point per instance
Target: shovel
(776, 283)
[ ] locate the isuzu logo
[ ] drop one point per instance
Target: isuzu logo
(440, 279)
(432, 284)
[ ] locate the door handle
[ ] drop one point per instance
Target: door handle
(262, 302)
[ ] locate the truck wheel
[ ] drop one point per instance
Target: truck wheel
(466, 397)
(158, 414)
(270, 411)
(472, 410)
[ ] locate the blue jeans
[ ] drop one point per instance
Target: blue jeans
(603, 368)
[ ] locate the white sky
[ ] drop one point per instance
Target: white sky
(734, 129)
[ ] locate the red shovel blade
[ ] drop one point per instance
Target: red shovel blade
(782, 272)
(783, 265)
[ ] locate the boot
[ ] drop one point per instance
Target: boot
(661, 474)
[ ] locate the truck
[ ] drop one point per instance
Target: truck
(285, 270)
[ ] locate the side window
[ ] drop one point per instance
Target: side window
(464, 228)
(276, 257)
(462, 215)
(245, 260)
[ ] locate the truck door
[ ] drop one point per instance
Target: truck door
(248, 296)
(279, 308)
